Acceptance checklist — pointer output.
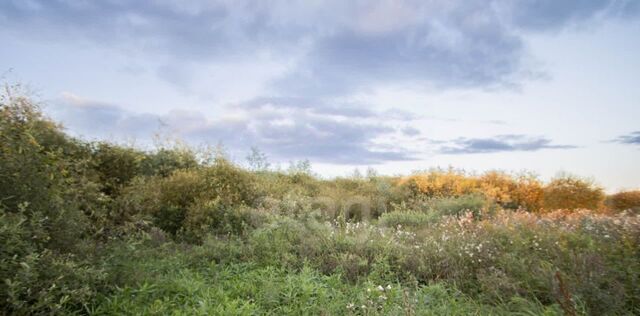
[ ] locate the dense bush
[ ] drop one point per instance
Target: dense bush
(47, 204)
(216, 217)
(405, 219)
(439, 183)
(165, 161)
(115, 165)
(570, 192)
(510, 191)
(626, 200)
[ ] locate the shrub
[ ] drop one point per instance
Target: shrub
(528, 194)
(457, 206)
(47, 202)
(116, 165)
(39, 178)
(438, 183)
(570, 192)
(215, 217)
(626, 200)
(509, 191)
(405, 219)
(519, 191)
(167, 200)
(165, 161)
(230, 184)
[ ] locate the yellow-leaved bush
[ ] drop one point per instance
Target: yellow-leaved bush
(625, 200)
(511, 191)
(571, 193)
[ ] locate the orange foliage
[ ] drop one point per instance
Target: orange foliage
(523, 191)
(627, 200)
(572, 193)
(438, 183)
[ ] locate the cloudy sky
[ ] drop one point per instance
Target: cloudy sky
(543, 85)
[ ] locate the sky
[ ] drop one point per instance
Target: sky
(540, 85)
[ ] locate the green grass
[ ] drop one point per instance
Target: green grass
(207, 288)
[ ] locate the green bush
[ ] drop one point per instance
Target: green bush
(165, 161)
(168, 199)
(115, 165)
(215, 217)
(474, 203)
(230, 184)
(405, 219)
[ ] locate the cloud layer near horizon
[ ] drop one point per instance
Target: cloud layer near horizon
(629, 139)
(499, 143)
(286, 129)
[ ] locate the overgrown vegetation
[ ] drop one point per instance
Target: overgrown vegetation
(100, 228)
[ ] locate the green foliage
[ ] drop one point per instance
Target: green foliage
(474, 203)
(405, 219)
(115, 165)
(216, 217)
(165, 161)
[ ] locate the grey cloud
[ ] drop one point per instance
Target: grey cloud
(500, 143)
(285, 132)
(410, 131)
(349, 45)
(551, 14)
(630, 139)
(101, 120)
(316, 106)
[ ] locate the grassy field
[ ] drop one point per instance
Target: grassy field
(105, 229)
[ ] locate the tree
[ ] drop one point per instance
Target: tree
(258, 161)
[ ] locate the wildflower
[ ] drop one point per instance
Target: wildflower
(380, 288)
(350, 306)
(389, 287)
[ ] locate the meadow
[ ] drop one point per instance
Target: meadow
(105, 229)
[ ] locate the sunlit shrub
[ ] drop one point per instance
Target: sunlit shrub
(528, 193)
(570, 192)
(509, 191)
(512, 191)
(438, 183)
(626, 200)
